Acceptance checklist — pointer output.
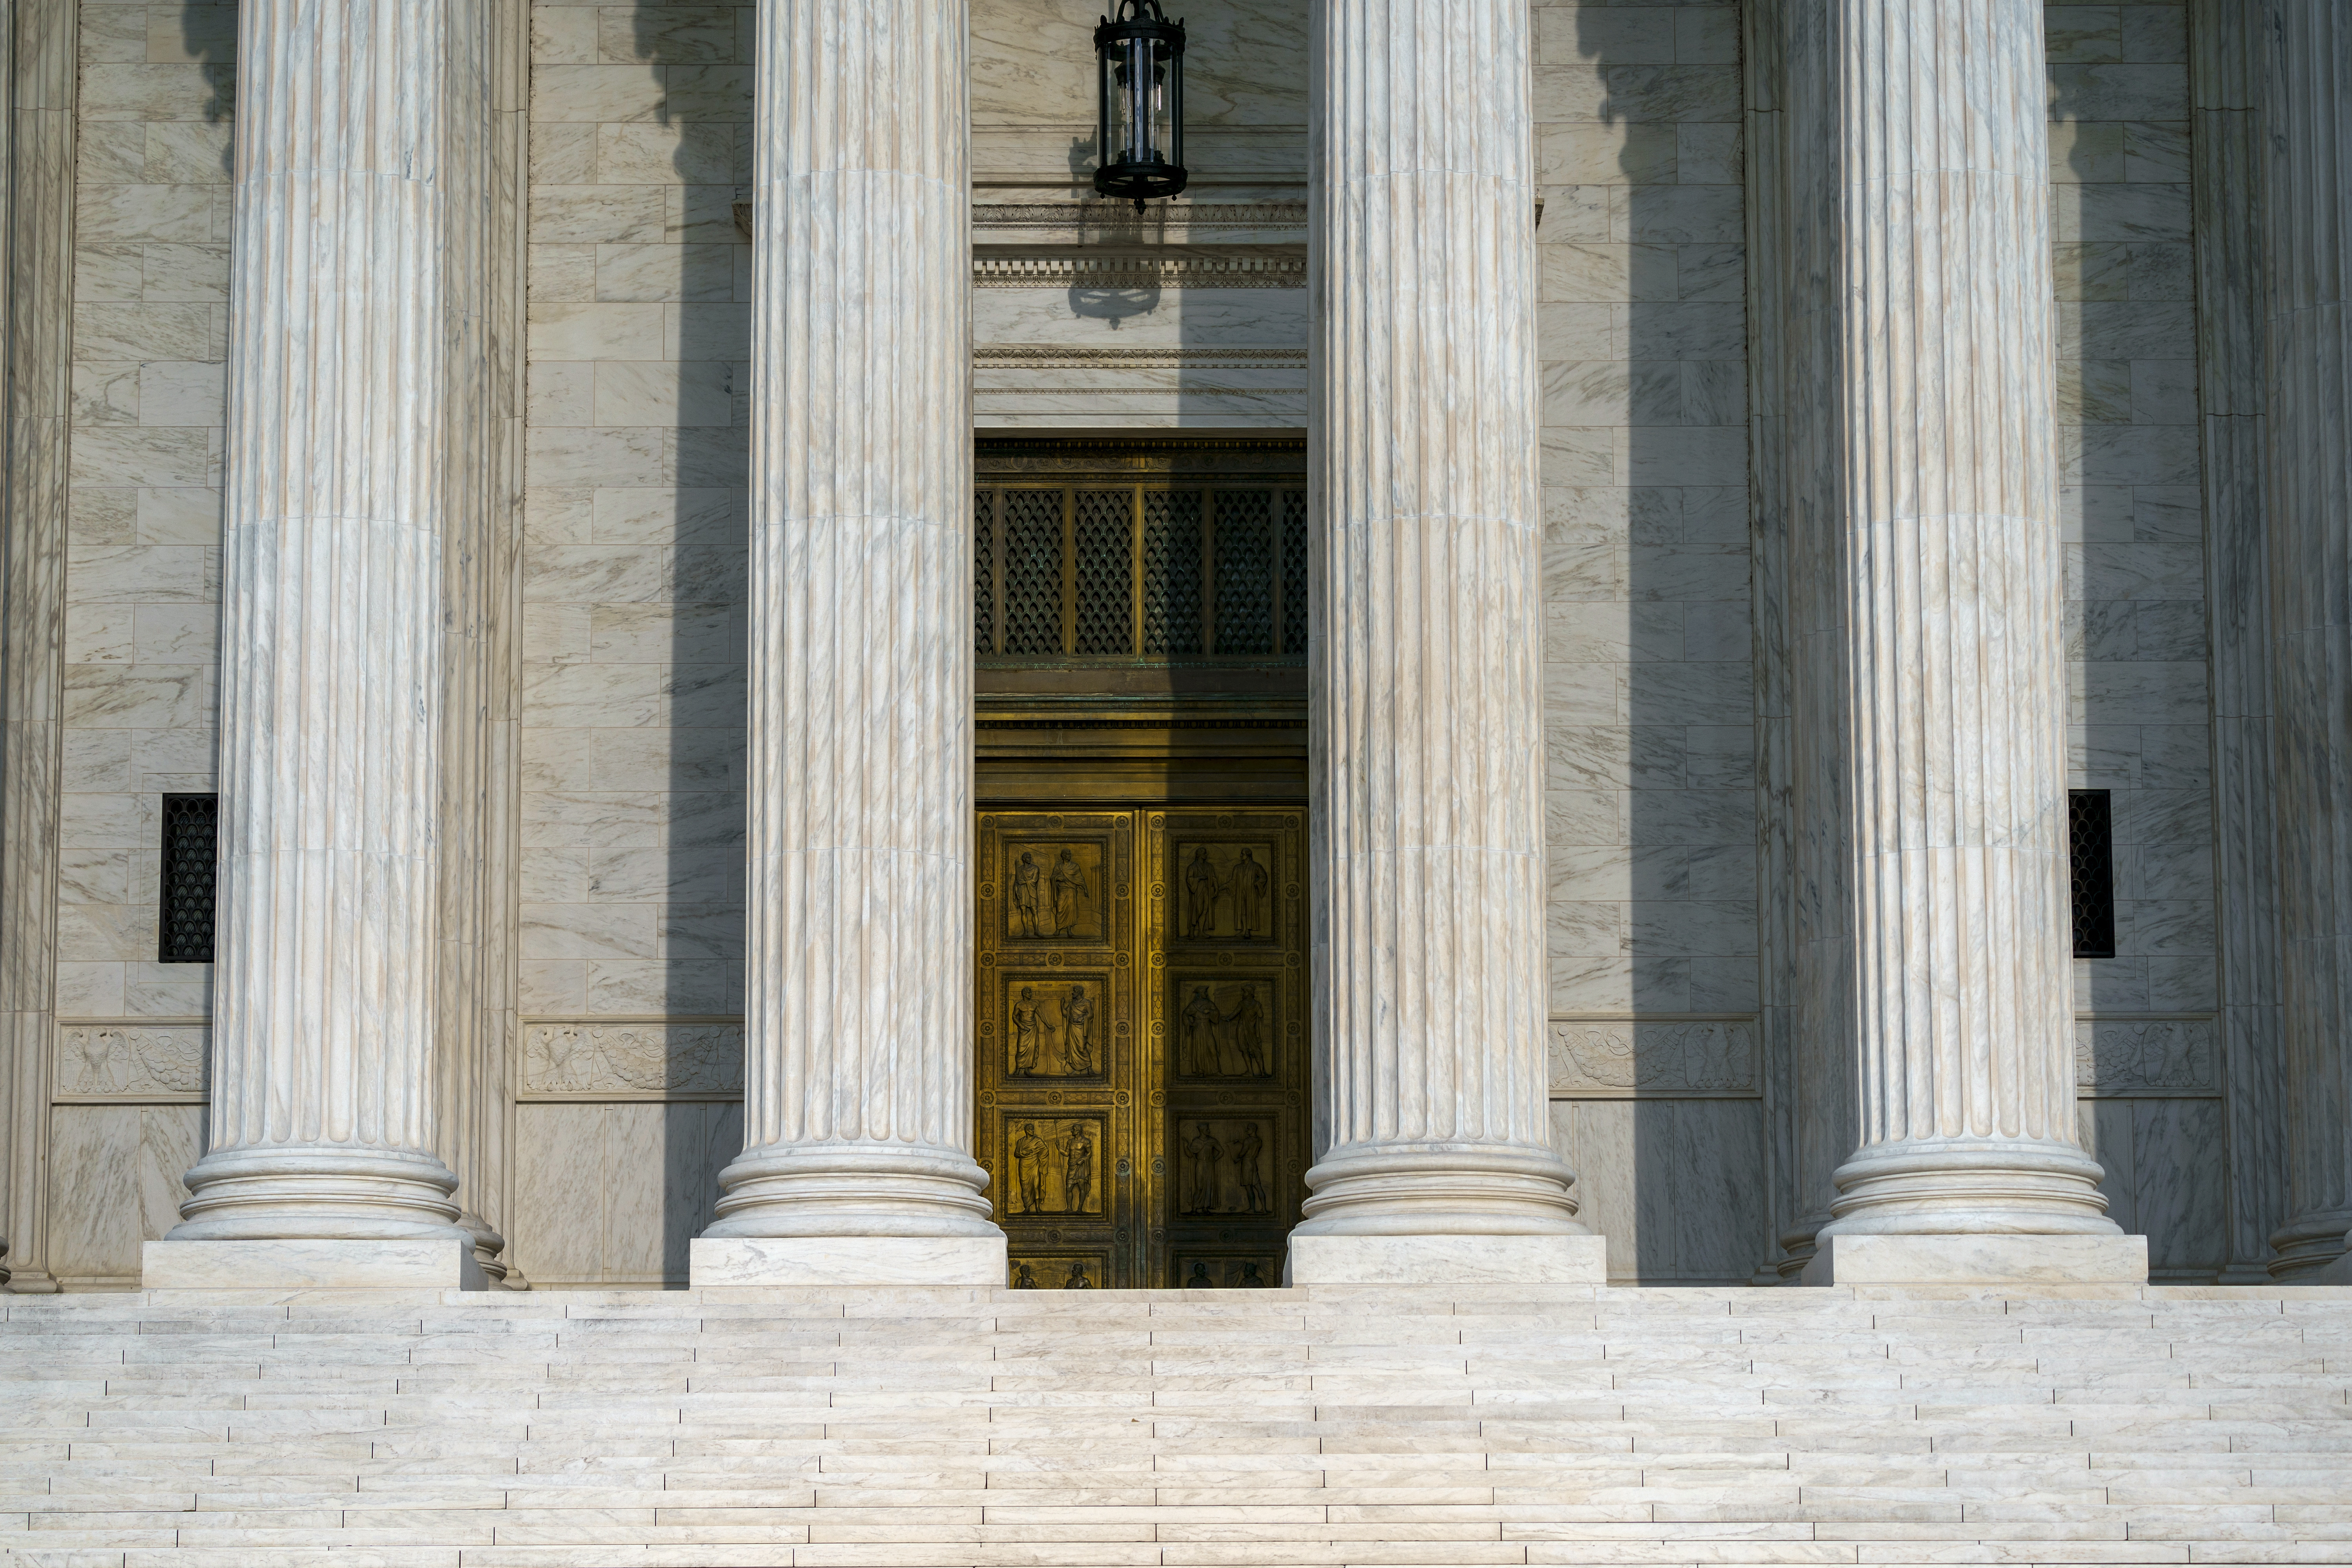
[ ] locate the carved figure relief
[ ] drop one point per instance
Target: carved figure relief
(1224, 1028)
(1053, 892)
(1225, 1273)
(1224, 1167)
(648, 1059)
(1028, 897)
(1201, 1153)
(1719, 1056)
(1057, 1271)
(132, 1061)
(1056, 1165)
(1225, 892)
(1052, 1025)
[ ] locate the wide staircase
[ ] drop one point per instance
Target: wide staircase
(1256, 1428)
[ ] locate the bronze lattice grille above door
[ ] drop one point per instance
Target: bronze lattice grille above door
(1168, 551)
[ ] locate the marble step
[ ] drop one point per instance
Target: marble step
(954, 1427)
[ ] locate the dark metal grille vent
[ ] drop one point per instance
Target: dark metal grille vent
(1244, 572)
(1105, 531)
(2091, 862)
(1293, 571)
(1033, 572)
(983, 576)
(1171, 573)
(190, 865)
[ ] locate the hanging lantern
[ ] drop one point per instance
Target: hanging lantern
(1140, 98)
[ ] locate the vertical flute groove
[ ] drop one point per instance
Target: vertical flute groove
(2307, 124)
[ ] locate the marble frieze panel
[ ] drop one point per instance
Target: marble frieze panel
(613, 1059)
(136, 1061)
(1712, 1058)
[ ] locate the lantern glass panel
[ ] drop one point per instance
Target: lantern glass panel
(1139, 126)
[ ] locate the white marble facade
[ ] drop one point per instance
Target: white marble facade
(1660, 643)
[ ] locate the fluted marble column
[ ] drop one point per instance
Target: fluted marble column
(1432, 1111)
(2306, 111)
(857, 1164)
(1940, 704)
(322, 1166)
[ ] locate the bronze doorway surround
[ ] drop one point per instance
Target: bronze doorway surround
(1142, 1022)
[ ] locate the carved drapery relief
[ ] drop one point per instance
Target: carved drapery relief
(1225, 1166)
(131, 1062)
(1714, 1056)
(1224, 1028)
(1223, 892)
(1053, 892)
(1056, 1165)
(629, 1059)
(1054, 1025)
(2146, 1057)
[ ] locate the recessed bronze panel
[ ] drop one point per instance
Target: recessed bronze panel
(1224, 893)
(1054, 890)
(1227, 1026)
(1056, 1025)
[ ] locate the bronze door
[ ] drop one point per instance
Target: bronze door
(1143, 1043)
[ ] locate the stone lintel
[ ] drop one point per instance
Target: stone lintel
(729, 1260)
(1447, 1260)
(1980, 1259)
(306, 1264)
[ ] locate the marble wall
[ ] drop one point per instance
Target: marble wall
(2132, 505)
(151, 214)
(1648, 688)
(142, 618)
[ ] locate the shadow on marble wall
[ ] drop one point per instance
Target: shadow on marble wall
(208, 36)
(701, 929)
(2132, 519)
(1676, 1168)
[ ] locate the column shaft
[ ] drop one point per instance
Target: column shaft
(322, 1108)
(1939, 701)
(857, 1082)
(1427, 755)
(2307, 108)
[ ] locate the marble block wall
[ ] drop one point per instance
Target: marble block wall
(143, 613)
(143, 591)
(631, 882)
(1648, 687)
(2132, 505)
(1064, 335)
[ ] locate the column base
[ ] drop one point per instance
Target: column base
(2336, 1273)
(311, 1264)
(1447, 1260)
(1983, 1259)
(716, 1261)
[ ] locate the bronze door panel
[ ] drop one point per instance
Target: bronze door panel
(1143, 1044)
(1061, 1110)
